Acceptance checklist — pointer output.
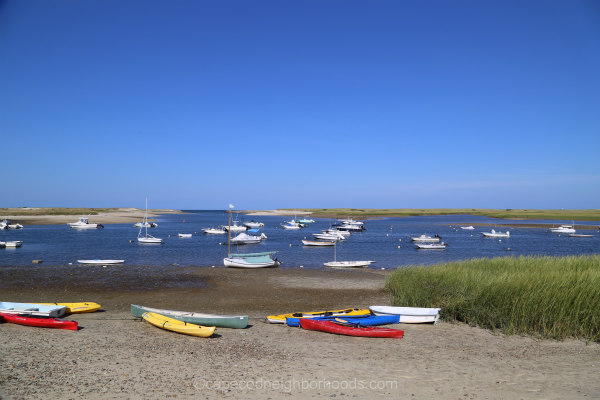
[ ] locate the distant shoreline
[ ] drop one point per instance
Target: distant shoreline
(54, 216)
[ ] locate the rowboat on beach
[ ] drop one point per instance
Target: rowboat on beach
(409, 315)
(281, 318)
(32, 309)
(341, 328)
(39, 321)
(170, 324)
(223, 321)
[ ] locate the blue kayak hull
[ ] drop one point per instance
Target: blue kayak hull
(367, 320)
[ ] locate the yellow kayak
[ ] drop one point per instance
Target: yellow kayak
(280, 319)
(174, 325)
(77, 308)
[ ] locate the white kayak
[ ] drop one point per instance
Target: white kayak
(409, 315)
(101, 262)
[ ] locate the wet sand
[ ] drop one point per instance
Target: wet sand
(116, 356)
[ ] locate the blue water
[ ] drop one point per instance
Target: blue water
(386, 241)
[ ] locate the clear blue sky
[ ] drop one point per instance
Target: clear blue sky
(307, 103)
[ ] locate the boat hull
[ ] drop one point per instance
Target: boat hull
(39, 322)
(366, 320)
(222, 321)
(77, 308)
(409, 315)
(100, 262)
(339, 329)
(348, 264)
(241, 263)
(281, 318)
(32, 309)
(173, 325)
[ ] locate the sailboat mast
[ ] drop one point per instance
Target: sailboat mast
(229, 234)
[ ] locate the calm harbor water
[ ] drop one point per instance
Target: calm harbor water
(387, 241)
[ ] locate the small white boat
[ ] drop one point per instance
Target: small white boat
(146, 238)
(235, 227)
(291, 225)
(318, 243)
(467, 228)
(337, 232)
(7, 224)
(251, 260)
(348, 264)
(493, 233)
(244, 238)
(409, 315)
(431, 246)
(563, 229)
(329, 236)
(84, 223)
(11, 243)
(53, 311)
(425, 238)
(184, 235)
(214, 231)
(101, 262)
(145, 225)
(581, 235)
(254, 224)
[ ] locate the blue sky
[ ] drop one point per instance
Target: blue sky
(290, 104)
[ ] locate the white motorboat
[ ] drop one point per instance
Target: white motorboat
(184, 235)
(7, 224)
(291, 225)
(84, 223)
(100, 262)
(318, 243)
(337, 232)
(146, 238)
(409, 315)
(214, 231)
(11, 243)
(251, 260)
(236, 227)
(425, 238)
(328, 236)
(254, 224)
(563, 229)
(493, 233)
(146, 224)
(467, 228)
(244, 238)
(431, 246)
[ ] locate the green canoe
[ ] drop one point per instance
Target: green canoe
(223, 321)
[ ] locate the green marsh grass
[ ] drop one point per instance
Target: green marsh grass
(550, 297)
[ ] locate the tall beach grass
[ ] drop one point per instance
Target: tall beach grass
(550, 297)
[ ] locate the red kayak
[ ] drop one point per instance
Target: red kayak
(349, 329)
(40, 322)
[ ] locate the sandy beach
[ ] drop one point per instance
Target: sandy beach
(114, 355)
